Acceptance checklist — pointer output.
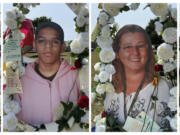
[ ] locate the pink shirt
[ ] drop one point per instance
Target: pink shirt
(40, 97)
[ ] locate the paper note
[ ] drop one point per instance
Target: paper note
(12, 50)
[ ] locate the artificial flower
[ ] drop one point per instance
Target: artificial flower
(97, 66)
(76, 47)
(110, 69)
(165, 51)
(170, 35)
(83, 101)
(103, 76)
(100, 89)
(158, 27)
(168, 67)
(159, 9)
(10, 122)
(107, 55)
(12, 106)
(103, 18)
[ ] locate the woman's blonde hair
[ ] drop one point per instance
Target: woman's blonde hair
(119, 78)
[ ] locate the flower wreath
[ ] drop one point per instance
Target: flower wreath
(67, 113)
(165, 26)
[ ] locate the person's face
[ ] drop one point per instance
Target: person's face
(48, 45)
(133, 51)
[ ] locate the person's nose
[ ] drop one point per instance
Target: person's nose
(48, 44)
(135, 50)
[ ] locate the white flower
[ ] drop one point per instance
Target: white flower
(158, 27)
(173, 91)
(93, 97)
(100, 128)
(19, 14)
(165, 51)
(97, 66)
(173, 124)
(107, 55)
(111, 20)
(97, 118)
(103, 76)
(172, 104)
(84, 61)
(160, 61)
(170, 35)
(109, 87)
(10, 14)
(113, 8)
(52, 127)
(100, 89)
(96, 78)
(105, 31)
(134, 6)
(110, 69)
(80, 20)
(17, 34)
(76, 47)
(159, 9)
(22, 70)
(174, 13)
(12, 106)
(83, 39)
(104, 41)
(103, 18)
(9, 122)
(6, 97)
(83, 11)
(168, 67)
(12, 24)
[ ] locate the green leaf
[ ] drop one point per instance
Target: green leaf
(152, 106)
(25, 11)
(98, 50)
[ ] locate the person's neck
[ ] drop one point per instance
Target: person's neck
(133, 80)
(49, 69)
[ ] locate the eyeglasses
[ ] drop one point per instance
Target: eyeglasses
(51, 43)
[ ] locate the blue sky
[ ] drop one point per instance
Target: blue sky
(58, 12)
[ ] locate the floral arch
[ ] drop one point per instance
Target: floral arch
(13, 69)
(164, 27)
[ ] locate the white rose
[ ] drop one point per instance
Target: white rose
(6, 97)
(172, 104)
(97, 66)
(174, 13)
(112, 8)
(103, 18)
(170, 35)
(159, 9)
(160, 61)
(168, 67)
(165, 51)
(83, 38)
(107, 55)
(9, 122)
(103, 76)
(173, 124)
(12, 24)
(100, 128)
(97, 118)
(158, 27)
(96, 78)
(11, 15)
(105, 31)
(80, 20)
(19, 14)
(134, 6)
(173, 91)
(100, 89)
(83, 11)
(93, 97)
(84, 61)
(109, 87)
(110, 69)
(12, 106)
(104, 41)
(76, 47)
